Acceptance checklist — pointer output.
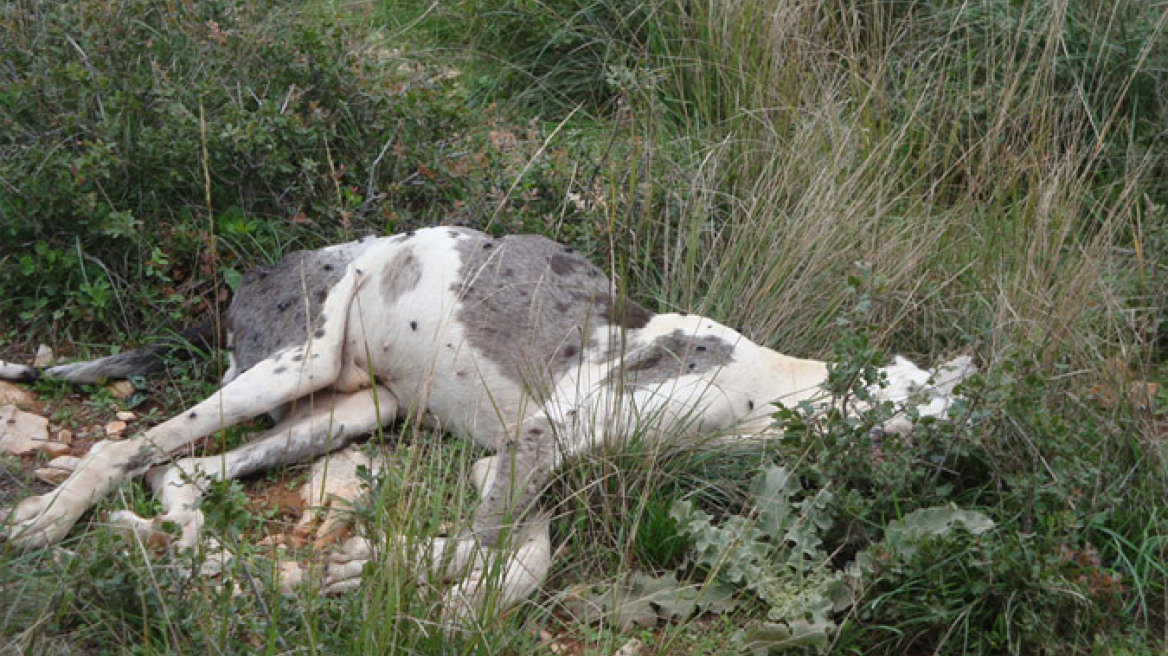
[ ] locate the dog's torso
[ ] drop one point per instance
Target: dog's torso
(486, 332)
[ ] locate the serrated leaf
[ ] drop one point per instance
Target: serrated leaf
(902, 538)
(773, 489)
(644, 600)
(764, 638)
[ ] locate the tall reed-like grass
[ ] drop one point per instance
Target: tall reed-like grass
(967, 152)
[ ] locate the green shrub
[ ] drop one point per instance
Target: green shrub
(128, 124)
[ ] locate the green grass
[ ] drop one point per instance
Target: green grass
(836, 179)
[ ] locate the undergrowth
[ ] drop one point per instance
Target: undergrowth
(838, 179)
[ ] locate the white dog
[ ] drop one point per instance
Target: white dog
(517, 343)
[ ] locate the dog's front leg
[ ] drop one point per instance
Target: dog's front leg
(45, 519)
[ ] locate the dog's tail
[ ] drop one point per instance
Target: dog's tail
(144, 361)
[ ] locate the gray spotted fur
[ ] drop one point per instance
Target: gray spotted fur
(274, 307)
(673, 355)
(528, 302)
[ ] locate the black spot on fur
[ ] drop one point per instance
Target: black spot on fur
(328, 267)
(280, 370)
(27, 375)
(283, 305)
(749, 405)
(298, 357)
(563, 266)
(193, 415)
(413, 325)
(627, 314)
(319, 333)
(138, 462)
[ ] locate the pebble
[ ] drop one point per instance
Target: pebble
(51, 475)
(21, 432)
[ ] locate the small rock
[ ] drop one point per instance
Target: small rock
(115, 428)
(126, 415)
(54, 449)
(21, 432)
(67, 463)
(44, 356)
(51, 475)
(290, 574)
(16, 395)
(631, 648)
(121, 389)
(65, 436)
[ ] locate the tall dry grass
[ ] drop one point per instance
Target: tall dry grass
(959, 152)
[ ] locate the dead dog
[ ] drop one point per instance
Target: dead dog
(517, 343)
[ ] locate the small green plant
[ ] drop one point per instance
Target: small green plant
(775, 553)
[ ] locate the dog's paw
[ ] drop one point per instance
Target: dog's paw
(41, 520)
(343, 571)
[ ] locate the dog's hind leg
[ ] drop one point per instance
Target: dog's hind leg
(291, 374)
(507, 527)
(318, 425)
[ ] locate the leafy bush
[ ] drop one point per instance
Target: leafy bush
(137, 132)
